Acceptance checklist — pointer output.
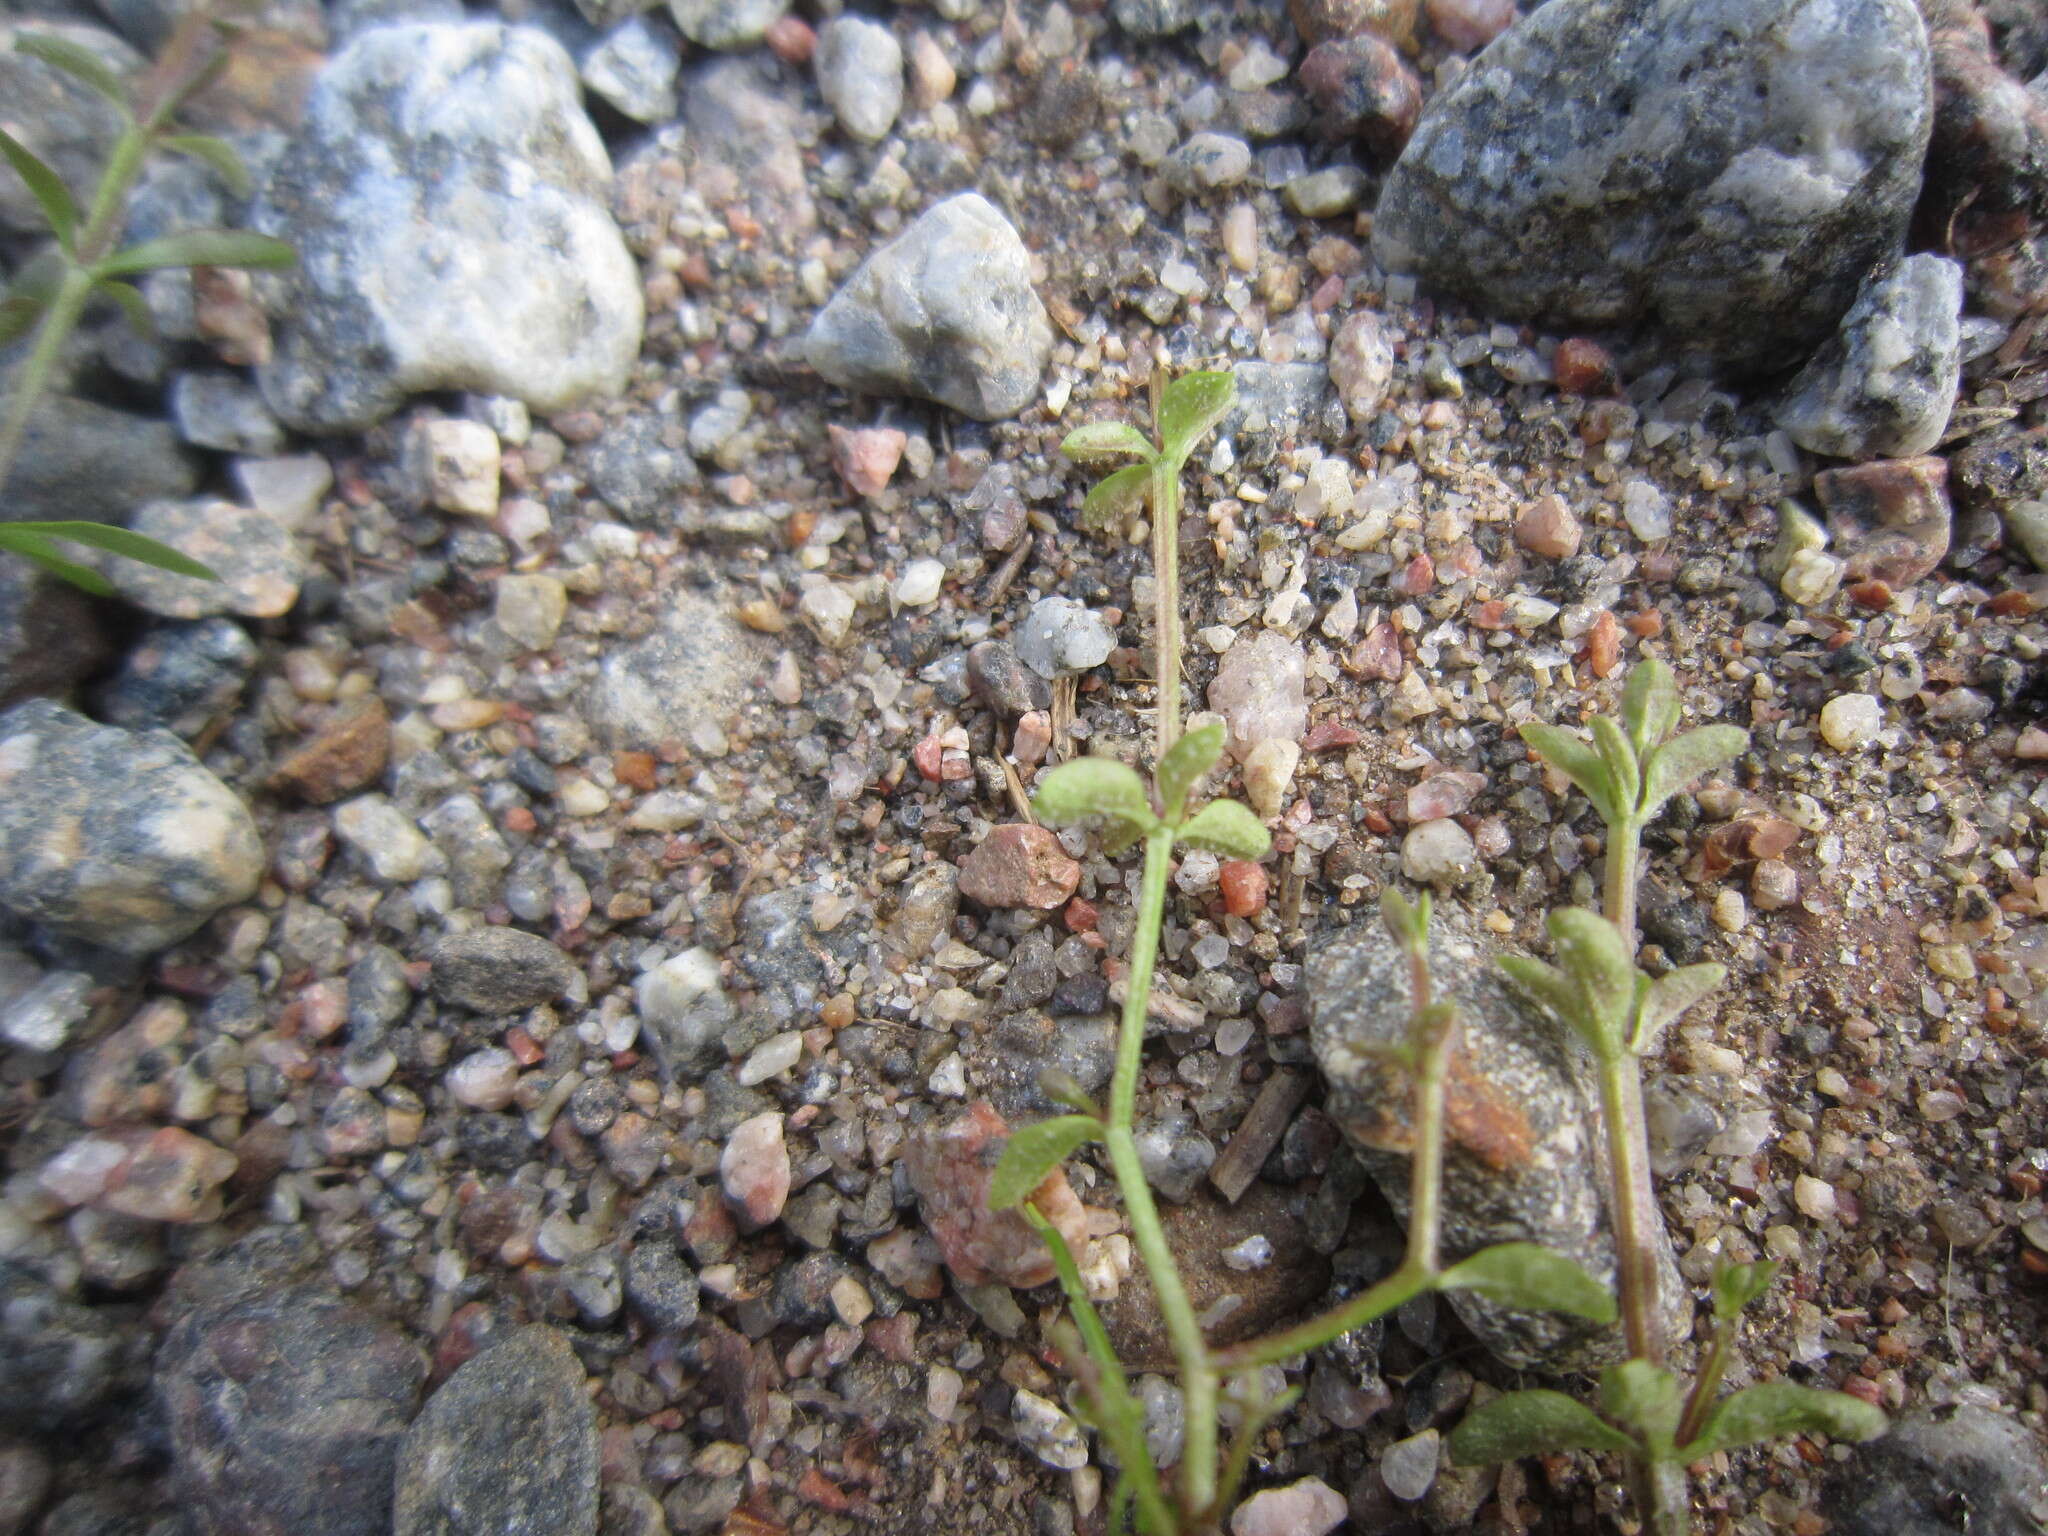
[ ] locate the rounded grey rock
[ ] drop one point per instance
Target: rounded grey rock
(180, 676)
(57, 117)
(945, 312)
(1061, 635)
(120, 838)
(1914, 1480)
(860, 74)
(500, 970)
(1725, 170)
(634, 67)
(726, 24)
(65, 1361)
(447, 198)
(679, 683)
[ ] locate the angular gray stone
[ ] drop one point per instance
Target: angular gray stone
(726, 24)
(285, 1411)
(1061, 635)
(634, 67)
(1882, 386)
(1970, 1470)
(1520, 1157)
(500, 970)
(678, 684)
(81, 460)
(507, 1447)
(217, 409)
(859, 66)
(640, 468)
(51, 636)
(253, 554)
(119, 838)
(1726, 170)
(945, 311)
(447, 197)
(57, 118)
(180, 677)
(65, 1361)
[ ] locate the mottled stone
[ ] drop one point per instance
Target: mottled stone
(1883, 385)
(507, 1447)
(945, 311)
(500, 970)
(950, 1167)
(82, 460)
(55, 116)
(680, 683)
(346, 753)
(1019, 866)
(1727, 171)
(65, 1361)
(1966, 1469)
(1261, 690)
(1890, 520)
(119, 838)
(51, 633)
(182, 677)
(726, 24)
(252, 553)
(1519, 1159)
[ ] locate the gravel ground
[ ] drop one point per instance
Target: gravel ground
(612, 966)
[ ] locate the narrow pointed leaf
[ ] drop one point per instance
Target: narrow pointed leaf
(1624, 770)
(1531, 1277)
(1534, 1423)
(1670, 995)
(1225, 827)
(1578, 762)
(1116, 495)
(34, 547)
(46, 187)
(1594, 958)
(81, 63)
(1649, 705)
(133, 305)
(218, 154)
(1406, 922)
(1192, 404)
(1778, 1409)
(1737, 1285)
(1546, 983)
(1103, 440)
(199, 248)
(1091, 788)
(18, 316)
(1642, 1396)
(120, 541)
(1684, 759)
(1062, 1087)
(1033, 1152)
(1184, 765)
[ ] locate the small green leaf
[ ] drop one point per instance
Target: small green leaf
(1115, 495)
(34, 547)
(1192, 404)
(1406, 922)
(1033, 1152)
(1062, 1087)
(1531, 1277)
(199, 248)
(1683, 759)
(1547, 984)
(132, 303)
(1184, 764)
(1624, 770)
(1780, 1408)
(1091, 788)
(1225, 827)
(218, 154)
(1533, 1423)
(48, 189)
(1669, 996)
(18, 316)
(1737, 1285)
(1578, 762)
(1649, 705)
(81, 63)
(119, 541)
(1105, 439)
(1594, 957)
(1644, 1397)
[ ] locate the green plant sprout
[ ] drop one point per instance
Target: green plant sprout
(1649, 1417)
(1109, 795)
(52, 293)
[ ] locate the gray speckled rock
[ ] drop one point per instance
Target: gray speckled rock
(679, 683)
(252, 553)
(58, 118)
(506, 1447)
(634, 67)
(119, 838)
(945, 311)
(51, 636)
(859, 66)
(500, 970)
(1727, 170)
(64, 1361)
(641, 469)
(726, 24)
(179, 677)
(81, 460)
(1969, 1471)
(447, 197)
(1883, 385)
(285, 1411)
(1523, 1145)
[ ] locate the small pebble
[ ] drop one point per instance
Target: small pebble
(920, 583)
(1850, 720)
(866, 457)
(1310, 1507)
(1046, 1430)
(754, 1172)
(1438, 853)
(1408, 1467)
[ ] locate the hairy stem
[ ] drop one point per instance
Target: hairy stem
(1707, 1384)
(1130, 1044)
(1166, 600)
(65, 307)
(1618, 893)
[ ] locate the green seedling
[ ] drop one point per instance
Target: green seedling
(83, 265)
(1656, 1422)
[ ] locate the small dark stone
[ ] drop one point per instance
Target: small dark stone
(1085, 993)
(500, 970)
(497, 1142)
(1001, 681)
(1675, 919)
(181, 676)
(659, 1285)
(51, 637)
(596, 1103)
(1033, 975)
(1064, 107)
(802, 1297)
(64, 1361)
